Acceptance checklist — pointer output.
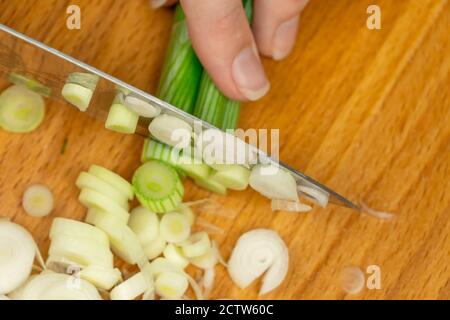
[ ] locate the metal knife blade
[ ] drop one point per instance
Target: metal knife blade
(20, 54)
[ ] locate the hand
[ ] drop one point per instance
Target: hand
(227, 47)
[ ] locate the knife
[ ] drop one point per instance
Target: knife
(22, 55)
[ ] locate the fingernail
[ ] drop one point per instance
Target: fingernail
(284, 39)
(157, 3)
(249, 75)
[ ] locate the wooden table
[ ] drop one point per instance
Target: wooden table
(366, 112)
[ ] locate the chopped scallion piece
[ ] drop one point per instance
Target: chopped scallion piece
(158, 187)
(77, 95)
(121, 119)
(21, 110)
(30, 84)
(113, 179)
(38, 201)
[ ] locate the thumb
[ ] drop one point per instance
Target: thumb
(223, 41)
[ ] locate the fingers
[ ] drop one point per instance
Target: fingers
(223, 41)
(275, 26)
(159, 3)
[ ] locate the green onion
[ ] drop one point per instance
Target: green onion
(29, 83)
(171, 285)
(211, 105)
(182, 69)
(113, 179)
(174, 227)
(232, 109)
(158, 187)
(120, 118)
(211, 184)
(193, 167)
(64, 145)
(21, 110)
(87, 180)
(37, 201)
(94, 199)
(210, 102)
(154, 150)
(18, 251)
(79, 89)
(171, 131)
(86, 80)
(233, 176)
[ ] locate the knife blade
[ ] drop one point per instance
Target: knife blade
(22, 55)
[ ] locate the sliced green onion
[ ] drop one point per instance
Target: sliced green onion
(131, 288)
(208, 280)
(160, 265)
(89, 181)
(234, 177)
(211, 184)
(273, 182)
(61, 291)
(182, 70)
(36, 285)
(38, 201)
(155, 248)
(171, 285)
(21, 110)
(57, 286)
(67, 227)
(30, 84)
(291, 206)
(113, 179)
(318, 196)
(102, 278)
(82, 251)
(174, 254)
(145, 224)
(352, 280)
(94, 213)
(124, 243)
(79, 89)
(121, 119)
(218, 147)
(171, 131)
(86, 80)
(186, 210)
(140, 107)
(258, 252)
(206, 261)
(158, 187)
(174, 227)
(194, 168)
(93, 199)
(17, 252)
(197, 245)
(77, 95)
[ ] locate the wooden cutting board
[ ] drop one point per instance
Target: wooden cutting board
(366, 112)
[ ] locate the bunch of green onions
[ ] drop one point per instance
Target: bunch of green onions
(185, 84)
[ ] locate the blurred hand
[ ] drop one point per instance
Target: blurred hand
(229, 49)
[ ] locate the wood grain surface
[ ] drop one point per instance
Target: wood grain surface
(366, 112)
